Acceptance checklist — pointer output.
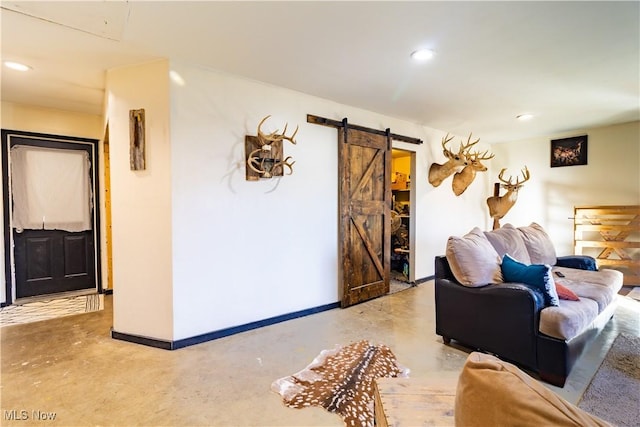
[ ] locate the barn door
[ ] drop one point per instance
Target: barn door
(365, 206)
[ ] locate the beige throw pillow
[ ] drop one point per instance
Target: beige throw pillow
(495, 393)
(538, 244)
(508, 240)
(473, 261)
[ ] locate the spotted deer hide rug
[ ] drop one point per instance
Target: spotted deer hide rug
(341, 381)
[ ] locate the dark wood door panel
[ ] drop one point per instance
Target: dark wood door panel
(365, 199)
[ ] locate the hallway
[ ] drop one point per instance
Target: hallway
(71, 367)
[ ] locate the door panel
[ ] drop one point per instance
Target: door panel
(365, 198)
(53, 261)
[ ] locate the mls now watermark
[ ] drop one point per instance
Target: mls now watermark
(24, 415)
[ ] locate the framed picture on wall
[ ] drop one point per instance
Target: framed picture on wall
(569, 151)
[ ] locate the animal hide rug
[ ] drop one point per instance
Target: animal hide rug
(341, 381)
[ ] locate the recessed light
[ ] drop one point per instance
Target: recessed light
(524, 117)
(17, 66)
(422, 54)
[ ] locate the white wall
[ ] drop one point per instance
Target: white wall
(141, 203)
(246, 251)
(611, 177)
(44, 120)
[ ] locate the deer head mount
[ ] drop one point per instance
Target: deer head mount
(264, 153)
(464, 178)
(500, 205)
(440, 172)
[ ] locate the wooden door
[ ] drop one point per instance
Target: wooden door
(365, 209)
(51, 259)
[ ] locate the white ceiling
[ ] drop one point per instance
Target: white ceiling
(574, 65)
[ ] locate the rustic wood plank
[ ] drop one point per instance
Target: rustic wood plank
(608, 227)
(630, 263)
(401, 402)
(608, 210)
(137, 140)
(606, 244)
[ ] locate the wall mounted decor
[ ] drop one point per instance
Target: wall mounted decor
(569, 151)
(137, 139)
(264, 153)
(500, 205)
(440, 172)
(463, 179)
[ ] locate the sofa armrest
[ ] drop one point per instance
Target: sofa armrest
(581, 262)
(500, 318)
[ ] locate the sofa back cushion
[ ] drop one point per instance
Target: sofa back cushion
(538, 244)
(508, 240)
(473, 261)
(491, 392)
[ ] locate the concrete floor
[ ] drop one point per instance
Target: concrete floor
(71, 367)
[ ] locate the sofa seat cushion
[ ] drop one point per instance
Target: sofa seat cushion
(605, 277)
(601, 286)
(569, 319)
(602, 295)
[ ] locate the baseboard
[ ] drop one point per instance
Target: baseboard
(424, 279)
(210, 336)
(137, 339)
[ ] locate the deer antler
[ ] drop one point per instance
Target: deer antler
(525, 174)
(262, 160)
(286, 162)
(445, 141)
(475, 156)
(268, 139)
(464, 148)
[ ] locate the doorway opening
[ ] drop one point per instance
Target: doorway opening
(403, 163)
(51, 222)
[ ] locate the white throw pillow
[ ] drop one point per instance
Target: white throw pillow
(508, 240)
(538, 244)
(473, 261)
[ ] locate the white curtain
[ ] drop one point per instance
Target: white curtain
(51, 189)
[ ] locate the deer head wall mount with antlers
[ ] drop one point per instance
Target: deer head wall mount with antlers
(464, 178)
(264, 153)
(500, 205)
(440, 172)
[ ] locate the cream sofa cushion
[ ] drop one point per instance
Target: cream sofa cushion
(473, 261)
(538, 244)
(569, 319)
(508, 240)
(495, 393)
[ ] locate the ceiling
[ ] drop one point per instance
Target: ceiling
(573, 65)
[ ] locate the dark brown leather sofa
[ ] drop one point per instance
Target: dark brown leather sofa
(503, 319)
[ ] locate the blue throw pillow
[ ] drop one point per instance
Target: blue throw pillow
(538, 276)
